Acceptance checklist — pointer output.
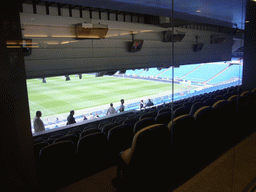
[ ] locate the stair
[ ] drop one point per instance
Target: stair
(163, 71)
(216, 75)
(191, 71)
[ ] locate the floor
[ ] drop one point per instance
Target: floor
(233, 172)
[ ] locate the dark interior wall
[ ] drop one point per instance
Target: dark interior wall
(249, 67)
(17, 160)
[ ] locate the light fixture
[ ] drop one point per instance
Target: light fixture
(198, 11)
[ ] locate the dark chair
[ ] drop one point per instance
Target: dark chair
(70, 137)
(37, 149)
(207, 134)
(120, 138)
(89, 131)
(181, 111)
(107, 127)
(143, 123)
(209, 102)
(148, 114)
(145, 166)
(195, 107)
(164, 118)
(92, 153)
(131, 121)
(226, 124)
(184, 147)
(164, 110)
(56, 163)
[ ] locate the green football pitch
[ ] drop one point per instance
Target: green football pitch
(60, 96)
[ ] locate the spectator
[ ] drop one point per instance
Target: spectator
(38, 123)
(71, 118)
(57, 120)
(90, 116)
(121, 108)
(85, 118)
(149, 103)
(111, 110)
(142, 105)
(96, 115)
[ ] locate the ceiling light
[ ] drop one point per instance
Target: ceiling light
(198, 11)
(248, 21)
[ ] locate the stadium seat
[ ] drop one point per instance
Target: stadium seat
(143, 123)
(209, 102)
(89, 131)
(148, 114)
(164, 118)
(72, 138)
(225, 124)
(92, 153)
(195, 107)
(163, 110)
(207, 134)
(181, 111)
(131, 121)
(37, 148)
(145, 166)
(120, 138)
(184, 148)
(56, 162)
(107, 127)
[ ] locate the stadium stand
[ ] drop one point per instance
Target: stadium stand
(209, 123)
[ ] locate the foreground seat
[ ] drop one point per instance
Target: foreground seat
(143, 123)
(120, 138)
(145, 166)
(184, 148)
(56, 163)
(92, 153)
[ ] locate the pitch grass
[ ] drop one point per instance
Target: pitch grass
(60, 96)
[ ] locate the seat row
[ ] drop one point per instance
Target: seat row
(163, 157)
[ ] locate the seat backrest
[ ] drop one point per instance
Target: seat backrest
(150, 148)
(195, 107)
(89, 131)
(72, 138)
(92, 146)
(107, 127)
(120, 138)
(182, 130)
(148, 114)
(181, 111)
(57, 154)
(143, 123)
(206, 119)
(164, 110)
(209, 102)
(164, 118)
(131, 121)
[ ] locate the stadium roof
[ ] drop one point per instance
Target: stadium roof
(217, 12)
